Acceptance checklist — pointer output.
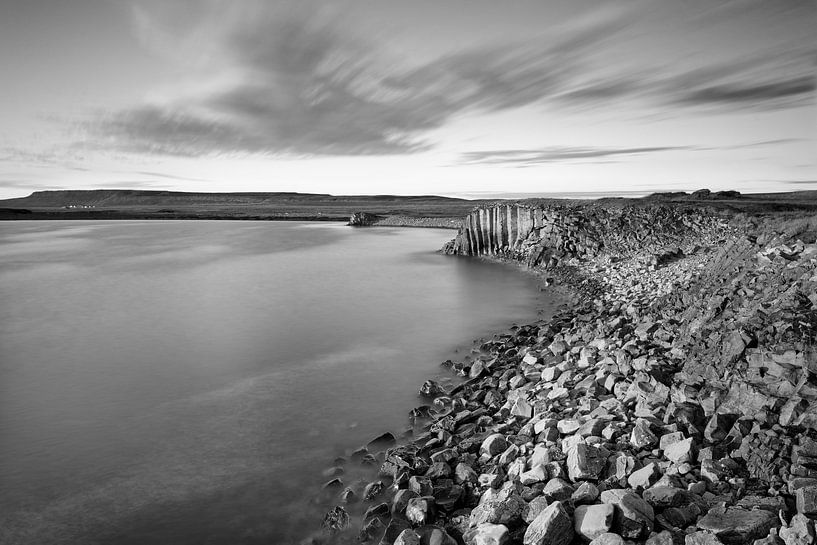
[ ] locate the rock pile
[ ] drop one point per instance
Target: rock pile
(673, 402)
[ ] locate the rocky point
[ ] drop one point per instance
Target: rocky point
(672, 401)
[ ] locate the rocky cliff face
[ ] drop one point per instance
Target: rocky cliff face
(674, 400)
(540, 234)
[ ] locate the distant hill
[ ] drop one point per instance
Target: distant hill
(141, 204)
(130, 197)
(126, 203)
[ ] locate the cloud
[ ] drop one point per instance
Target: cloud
(766, 95)
(304, 86)
(290, 82)
(523, 157)
(803, 182)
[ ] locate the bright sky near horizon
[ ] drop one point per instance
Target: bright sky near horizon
(450, 97)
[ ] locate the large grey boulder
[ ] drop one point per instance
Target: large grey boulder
(553, 526)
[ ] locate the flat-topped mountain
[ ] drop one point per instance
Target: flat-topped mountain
(143, 204)
(125, 204)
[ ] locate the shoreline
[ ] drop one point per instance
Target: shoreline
(599, 423)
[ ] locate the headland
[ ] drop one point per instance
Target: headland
(673, 400)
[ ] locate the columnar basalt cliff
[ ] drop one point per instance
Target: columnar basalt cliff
(535, 233)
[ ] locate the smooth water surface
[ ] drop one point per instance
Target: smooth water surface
(186, 382)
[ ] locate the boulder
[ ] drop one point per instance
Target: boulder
(431, 388)
(497, 507)
(493, 444)
(645, 477)
(702, 538)
(735, 526)
(553, 526)
(407, 537)
(800, 531)
(336, 520)
(634, 517)
(608, 539)
(585, 462)
(806, 498)
(591, 521)
(487, 534)
(420, 510)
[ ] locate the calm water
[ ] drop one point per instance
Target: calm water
(186, 382)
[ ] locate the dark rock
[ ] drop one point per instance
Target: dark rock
(373, 490)
(363, 219)
(735, 526)
(432, 389)
(634, 517)
(336, 520)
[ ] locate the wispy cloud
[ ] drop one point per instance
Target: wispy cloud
(527, 157)
(304, 86)
(290, 83)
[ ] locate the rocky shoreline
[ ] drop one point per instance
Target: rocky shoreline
(671, 402)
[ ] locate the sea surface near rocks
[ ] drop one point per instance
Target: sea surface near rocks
(186, 382)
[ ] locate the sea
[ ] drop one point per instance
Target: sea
(190, 382)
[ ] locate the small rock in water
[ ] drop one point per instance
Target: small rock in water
(336, 520)
(431, 388)
(382, 441)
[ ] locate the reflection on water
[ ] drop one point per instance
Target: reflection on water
(183, 382)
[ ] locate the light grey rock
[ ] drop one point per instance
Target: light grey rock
(487, 534)
(407, 537)
(591, 521)
(800, 531)
(493, 444)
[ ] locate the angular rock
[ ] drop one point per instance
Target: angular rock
(431, 388)
(591, 521)
(395, 527)
(336, 520)
(400, 501)
(497, 507)
(552, 526)
(586, 493)
(420, 485)
(634, 517)
(702, 538)
(464, 473)
(645, 477)
(666, 496)
(487, 534)
(806, 498)
(585, 462)
(608, 539)
(800, 531)
(680, 451)
(642, 437)
(735, 526)
(420, 510)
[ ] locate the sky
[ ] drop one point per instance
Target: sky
(470, 98)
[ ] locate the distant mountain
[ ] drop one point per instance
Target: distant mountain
(139, 198)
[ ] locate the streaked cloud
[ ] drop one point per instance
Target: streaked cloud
(522, 157)
(290, 83)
